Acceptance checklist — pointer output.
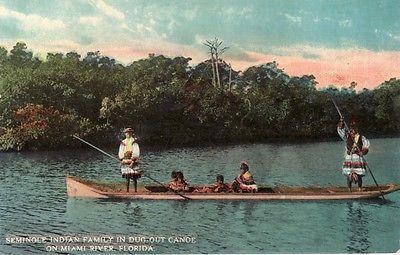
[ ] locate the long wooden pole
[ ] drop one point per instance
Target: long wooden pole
(113, 157)
(362, 156)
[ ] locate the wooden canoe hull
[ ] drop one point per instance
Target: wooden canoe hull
(79, 189)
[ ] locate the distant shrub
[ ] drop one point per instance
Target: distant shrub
(36, 126)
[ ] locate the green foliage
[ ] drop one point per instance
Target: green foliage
(387, 105)
(167, 101)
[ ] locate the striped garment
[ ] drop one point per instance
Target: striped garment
(353, 162)
(126, 169)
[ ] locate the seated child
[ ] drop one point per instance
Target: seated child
(217, 187)
(179, 183)
(174, 179)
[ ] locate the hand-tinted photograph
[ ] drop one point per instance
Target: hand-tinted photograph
(199, 127)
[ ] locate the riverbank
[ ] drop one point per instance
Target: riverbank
(172, 103)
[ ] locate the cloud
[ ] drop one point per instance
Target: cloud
(333, 66)
(304, 51)
(345, 23)
(233, 12)
(239, 55)
(245, 11)
(63, 44)
(317, 19)
(29, 22)
(294, 19)
(386, 35)
(90, 20)
(394, 37)
(143, 29)
(190, 14)
(200, 39)
(108, 9)
(171, 25)
(112, 13)
(10, 30)
(85, 39)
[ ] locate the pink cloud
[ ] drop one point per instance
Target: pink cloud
(338, 67)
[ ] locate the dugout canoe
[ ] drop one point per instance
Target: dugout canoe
(79, 188)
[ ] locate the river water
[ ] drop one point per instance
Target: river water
(33, 200)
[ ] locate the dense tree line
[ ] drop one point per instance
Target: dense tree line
(167, 101)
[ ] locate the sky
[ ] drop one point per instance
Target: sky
(336, 41)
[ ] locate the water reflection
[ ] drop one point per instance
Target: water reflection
(33, 200)
(358, 237)
(221, 209)
(132, 211)
(249, 209)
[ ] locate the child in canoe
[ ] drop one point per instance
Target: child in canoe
(178, 182)
(218, 187)
(174, 178)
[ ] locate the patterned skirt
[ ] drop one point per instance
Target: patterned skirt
(354, 164)
(129, 170)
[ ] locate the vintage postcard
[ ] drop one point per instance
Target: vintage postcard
(199, 126)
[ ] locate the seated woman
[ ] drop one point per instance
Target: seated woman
(217, 187)
(244, 182)
(178, 183)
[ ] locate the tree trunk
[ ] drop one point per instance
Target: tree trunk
(213, 69)
(246, 101)
(217, 71)
(230, 77)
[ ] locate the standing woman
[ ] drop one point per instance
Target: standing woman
(356, 146)
(129, 153)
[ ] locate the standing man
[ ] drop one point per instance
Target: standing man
(129, 153)
(356, 146)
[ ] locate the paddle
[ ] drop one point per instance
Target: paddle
(113, 157)
(362, 156)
